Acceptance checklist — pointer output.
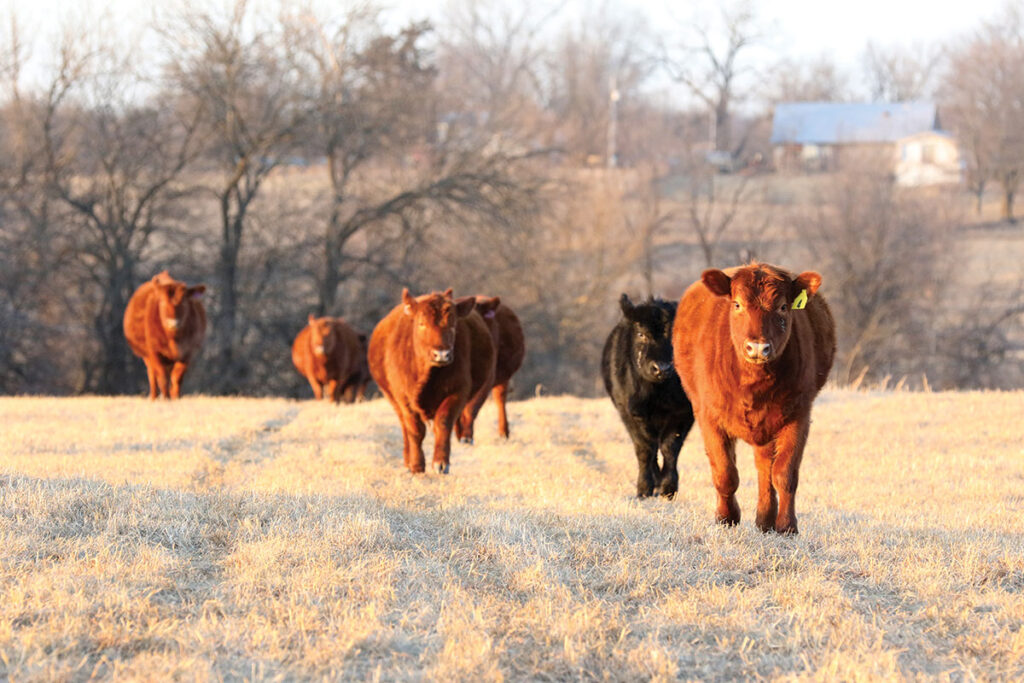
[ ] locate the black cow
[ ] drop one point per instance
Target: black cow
(638, 374)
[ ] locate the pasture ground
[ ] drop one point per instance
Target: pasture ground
(269, 539)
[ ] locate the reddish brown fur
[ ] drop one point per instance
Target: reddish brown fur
(507, 335)
(765, 403)
(167, 348)
(428, 356)
(329, 354)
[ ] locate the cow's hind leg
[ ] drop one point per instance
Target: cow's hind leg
(668, 480)
(464, 425)
(334, 390)
(721, 452)
(767, 505)
(500, 393)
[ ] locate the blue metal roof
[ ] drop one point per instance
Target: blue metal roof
(834, 123)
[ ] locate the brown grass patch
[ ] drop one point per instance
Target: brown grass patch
(266, 539)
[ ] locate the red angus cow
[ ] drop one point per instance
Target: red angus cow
(428, 357)
(753, 346)
(165, 323)
(327, 352)
(507, 335)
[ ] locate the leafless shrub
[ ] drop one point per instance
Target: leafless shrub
(886, 255)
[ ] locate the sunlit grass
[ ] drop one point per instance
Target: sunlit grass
(236, 538)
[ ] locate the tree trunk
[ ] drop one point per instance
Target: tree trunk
(227, 373)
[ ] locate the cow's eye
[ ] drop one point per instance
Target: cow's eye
(783, 308)
(736, 305)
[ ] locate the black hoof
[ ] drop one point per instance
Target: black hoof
(441, 467)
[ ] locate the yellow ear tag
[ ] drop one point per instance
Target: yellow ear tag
(800, 301)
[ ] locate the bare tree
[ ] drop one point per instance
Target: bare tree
(885, 256)
(593, 78)
(712, 63)
(900, 74)
(983, 95)
(490, 58)
(232, 70)
(817, 80)
(112, 165)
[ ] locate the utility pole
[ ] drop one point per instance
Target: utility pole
(612, 159)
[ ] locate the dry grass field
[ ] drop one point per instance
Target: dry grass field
(216, 539)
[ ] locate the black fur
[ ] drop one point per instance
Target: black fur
(638, 374)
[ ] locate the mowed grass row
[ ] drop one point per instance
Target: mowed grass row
(219, 538)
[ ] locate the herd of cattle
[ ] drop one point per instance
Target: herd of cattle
(744, 354)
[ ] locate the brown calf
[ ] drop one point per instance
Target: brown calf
(165, 323)
(507, 335)
(428, 357)
(327, 352)
(753, 346)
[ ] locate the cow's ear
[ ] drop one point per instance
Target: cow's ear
(310, 319)
(408, 303)
(807, 280)
(626, 305)
(717, 282)
(464, 306)
(195, 291)
(486, 306)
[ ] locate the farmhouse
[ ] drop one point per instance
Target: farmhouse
(828, 136)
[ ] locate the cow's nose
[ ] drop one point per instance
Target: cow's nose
(758, 350)
(319, 348)
(442, 356)
(659, 369)
(172, 323)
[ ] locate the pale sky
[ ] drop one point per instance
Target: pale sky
(803, 29)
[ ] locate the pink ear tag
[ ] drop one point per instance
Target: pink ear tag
(490, 314)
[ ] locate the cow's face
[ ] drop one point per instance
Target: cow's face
(434, 317)
(761, 307)
(650, 331)
(173, 303)
(322, 337)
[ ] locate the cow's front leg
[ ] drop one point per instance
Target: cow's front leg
(668, 482)
(333, 391)
(444, 420)
(767, 505)
(789, 451)
(177, 374)
(318, 392)
(151, 375)
(646, 465)
(413, 430)
(721, 451)
(160, 372)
